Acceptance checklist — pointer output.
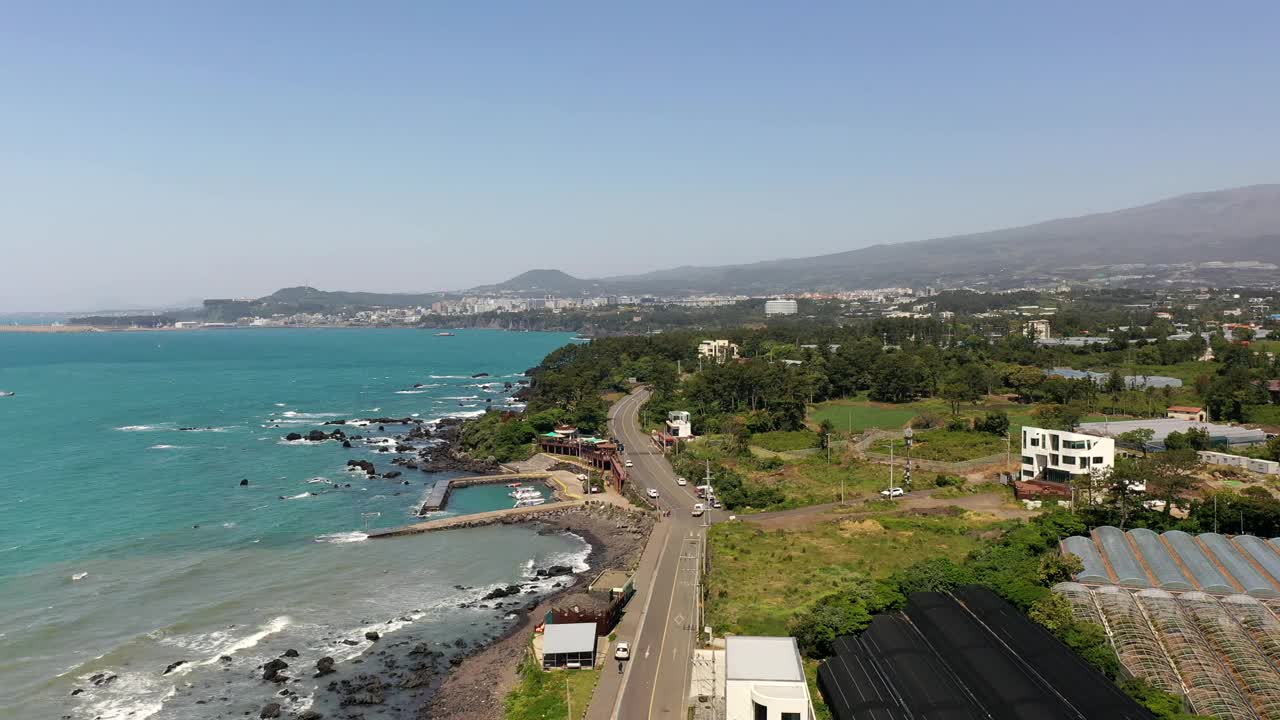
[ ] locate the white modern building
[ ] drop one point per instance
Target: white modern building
(678, 425)
(764, 679)
(780, 306)
(1038, 330)
(1061, 456)
(719, 351)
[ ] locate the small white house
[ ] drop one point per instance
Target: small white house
(678, 424)
(764, 679)
(1061, 456)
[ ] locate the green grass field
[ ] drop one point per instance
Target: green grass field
(859, 415)
(759, 580)
(553, 694)
(782, 441)
(946, 445)
(812, 481)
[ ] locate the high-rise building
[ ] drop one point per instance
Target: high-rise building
(780, 306)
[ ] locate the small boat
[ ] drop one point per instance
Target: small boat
(7, 393)
(444, 334)
(524, 493)
(530, 502)
(513, 485)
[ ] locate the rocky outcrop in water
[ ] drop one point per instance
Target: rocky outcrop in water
(271, 671)
(270, 710)
(364, 465)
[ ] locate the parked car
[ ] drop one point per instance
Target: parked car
(653, 493)
(715, 502)
(681, 481)
(892, 492)
(697, 510)
(629, 464)
(623, 652)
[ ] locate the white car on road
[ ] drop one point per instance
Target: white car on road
(681, 481)
(629, 464)
(653, 493)
(623, 652)
(697, 510)
(892, 492)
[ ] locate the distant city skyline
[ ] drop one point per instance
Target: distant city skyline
(157, 153)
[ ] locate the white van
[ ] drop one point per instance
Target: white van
(697, 510)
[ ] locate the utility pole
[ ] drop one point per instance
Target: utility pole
(890, 468)
(907, 436)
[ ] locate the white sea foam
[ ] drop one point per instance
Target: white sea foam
(165, 447)
(411, 392)
(299, 496)
(467, 414)
(449, 377)
(131, 696)
(281, 404)
(461, 397)
(80, 576)
(319, 481)
(342, 537)
(144, 428)
(228, 524)
(309, 416)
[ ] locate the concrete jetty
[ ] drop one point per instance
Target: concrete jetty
(439, 493)
(492, 517)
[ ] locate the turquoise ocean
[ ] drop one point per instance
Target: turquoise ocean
(128, 544)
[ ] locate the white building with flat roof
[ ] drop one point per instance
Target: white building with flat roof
(780, 306)
(1061, 456)
(678, 424)
(764, 679)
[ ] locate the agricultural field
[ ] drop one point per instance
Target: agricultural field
(783, 441)
(859, 415)
(814, 481)
(759, 580)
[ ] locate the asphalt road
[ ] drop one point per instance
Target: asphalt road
(656, 680)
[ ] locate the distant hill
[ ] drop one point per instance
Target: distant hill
(303, 296)
(543, 282)
(1228, 226)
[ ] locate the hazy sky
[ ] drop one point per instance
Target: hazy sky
(157, 152)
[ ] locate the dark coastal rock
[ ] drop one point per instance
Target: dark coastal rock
(349, 642)
(324, 666)
(364, 465)
(293, 437)
(77, 691)
(391, 475)
(346, 443)
(173, 666)
(244, 482)
(271, 671)
(502, 592)
(290, 653)
(310, 715)
(363, 690)
(480, 375)
(225, 659)
(317, 436)
(270, 710)
(372, 636)
(335, 422)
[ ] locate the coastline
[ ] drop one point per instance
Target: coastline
(476, 687)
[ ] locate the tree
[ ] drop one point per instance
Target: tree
(1172, 477)
(956, 394)
(1114, 384)
(1124, 488)
(933, 575)
(1058, 417)
(1024, 379)
(825, 428)
(897, 377)
(1139, 438)
(995, 422)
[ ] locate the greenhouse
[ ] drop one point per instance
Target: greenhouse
(1135, 642)
(1119, 553)
(1205, 571)
(1210, 688)
(1258, 621)
(1095, 571)
(1168, 574)
(1252, 671)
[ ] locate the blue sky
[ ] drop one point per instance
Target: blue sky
(156, 152)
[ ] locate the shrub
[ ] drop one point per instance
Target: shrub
(948, 481)
(995, 422)
(926, 421)
(959, 424)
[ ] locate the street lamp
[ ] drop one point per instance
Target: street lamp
(907, 436)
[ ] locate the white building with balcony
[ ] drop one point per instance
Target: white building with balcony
(764, 679)
(718, 351)
(1061, 456)
(678, 425)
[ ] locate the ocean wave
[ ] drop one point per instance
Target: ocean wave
(145, 428)
(281, 404)
(131, 696)
(460, 397)
(342, 537)
(299, 496)
(449, 377)
(412, 392)
(308, 416)
(319, 481)
(166, 447)
(467, 414)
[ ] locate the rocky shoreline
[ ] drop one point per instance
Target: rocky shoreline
(476, 688)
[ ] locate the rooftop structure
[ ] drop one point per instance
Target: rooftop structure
(718, 351)
(1178, 562)
(1161, 427)
(569, 645)
(964, 656)
(764, 678)
(1136, 382)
